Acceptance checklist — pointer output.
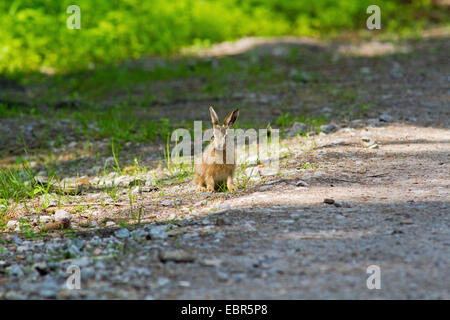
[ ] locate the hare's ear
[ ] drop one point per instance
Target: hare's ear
(229, 121)
(214, 117)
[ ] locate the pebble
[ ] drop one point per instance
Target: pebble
(11, 223)
(211, 262)
(122, 233)
(163, 281)
(21, 249)
(61, 215)
(295, 215)
(265, 187)
(94, 224)
(185, 284)
(110, 224)
(140, 271)
(15, 270)
(169, 203)
(188, 236)
(157, 232)
(200, 203)
(328, 201)
(139, 234)
(176, 256)
(45, 219)
(41, 267)
(328, 128)
(297, 128)
(222, 276)
(385, 117)
(239, 277)
(301, 183)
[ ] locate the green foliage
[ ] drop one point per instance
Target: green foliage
(286, 120)
(17, 183)
(34, 36)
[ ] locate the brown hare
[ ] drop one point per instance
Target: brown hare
(213, 168)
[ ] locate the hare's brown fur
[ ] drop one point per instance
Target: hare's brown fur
(214, 169)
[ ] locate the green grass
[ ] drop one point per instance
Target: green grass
(17, 184)
(34, 36)
(312, 123)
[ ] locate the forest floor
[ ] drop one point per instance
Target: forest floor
(365, 182)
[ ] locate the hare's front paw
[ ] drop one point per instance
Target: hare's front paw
(200, 188)
(231, 187)
(230, 184)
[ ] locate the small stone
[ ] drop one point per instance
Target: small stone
(265, 187)
(139, 234)
(239, 277)
(157, 232)
(211, 262)
(205, 222)
(22, 249)
(200, 203)
(222, 276)
(297, 128)
(163, 281)
(185, 284)
(176, 256)
(45, 219)
(328, 201)
(11, 223)
(188, 236)
(61, 215)
(385, 117)
(15, 270)
(42, 268)
(328, 128)
(140, 271)
(94, 224)
(169, 203)
(110, 224)
(122, 233)
(301, 183)
(295, 215)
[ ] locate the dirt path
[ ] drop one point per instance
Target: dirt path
(386, 178)
(282, 240)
